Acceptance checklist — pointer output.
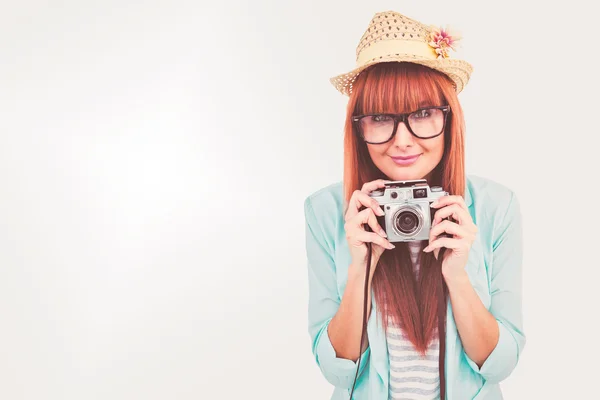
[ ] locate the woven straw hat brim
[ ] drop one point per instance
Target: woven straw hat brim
(459, 71)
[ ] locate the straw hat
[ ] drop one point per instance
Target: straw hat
(392, 36)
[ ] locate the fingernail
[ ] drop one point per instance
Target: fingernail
(380, 212)
(435, 203)
(382, 233)
(426, 249)
(391, 246)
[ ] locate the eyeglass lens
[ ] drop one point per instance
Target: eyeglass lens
(424, 123)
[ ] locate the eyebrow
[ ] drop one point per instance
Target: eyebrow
(422, 104)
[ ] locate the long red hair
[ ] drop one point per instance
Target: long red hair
(395, 87)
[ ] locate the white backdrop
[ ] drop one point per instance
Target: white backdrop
(154, 160)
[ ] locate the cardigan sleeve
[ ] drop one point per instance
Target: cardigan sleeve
(506, 289)
(323, 303)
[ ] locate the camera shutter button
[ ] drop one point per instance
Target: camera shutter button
(436, 188)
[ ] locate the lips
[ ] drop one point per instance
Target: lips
(405, 160)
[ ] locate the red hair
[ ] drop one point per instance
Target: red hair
(399, 87)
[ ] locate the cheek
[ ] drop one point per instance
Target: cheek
(377, 153)
(436, 147)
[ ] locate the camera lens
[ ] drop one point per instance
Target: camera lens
(407, 222)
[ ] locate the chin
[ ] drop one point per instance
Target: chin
(403, 175)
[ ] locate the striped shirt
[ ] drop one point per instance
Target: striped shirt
(411, 375)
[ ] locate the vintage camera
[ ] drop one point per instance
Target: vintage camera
(408, 215)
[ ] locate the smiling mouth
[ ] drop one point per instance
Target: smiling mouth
(405, 157)
(406, 160)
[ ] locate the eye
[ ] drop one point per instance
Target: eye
(426, 113)
(381, 118)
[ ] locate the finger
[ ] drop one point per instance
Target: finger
(360, 199)
(450, 199)
(370, 237)
(367, 216)
(368, 187)
(449, 243)
(450, 227)
(457, 213)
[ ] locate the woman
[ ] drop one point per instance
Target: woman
(474, 288)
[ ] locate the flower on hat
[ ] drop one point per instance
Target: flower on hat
(442, 40)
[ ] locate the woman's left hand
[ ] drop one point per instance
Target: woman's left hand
(462, 228)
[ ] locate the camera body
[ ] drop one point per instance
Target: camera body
(408, 215)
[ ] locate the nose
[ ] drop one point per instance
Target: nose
(403, 137)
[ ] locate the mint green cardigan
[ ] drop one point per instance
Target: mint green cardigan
(494, 268)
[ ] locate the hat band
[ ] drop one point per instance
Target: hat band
(402, 46)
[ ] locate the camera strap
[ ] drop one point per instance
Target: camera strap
(442, 306)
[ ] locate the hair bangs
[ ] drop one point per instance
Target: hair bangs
(398, 87)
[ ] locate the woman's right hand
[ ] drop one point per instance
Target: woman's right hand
(357, 236)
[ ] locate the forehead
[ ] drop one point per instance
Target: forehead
(399, 97)
(400, 106)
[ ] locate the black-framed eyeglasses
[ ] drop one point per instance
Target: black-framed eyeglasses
(424, 123)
